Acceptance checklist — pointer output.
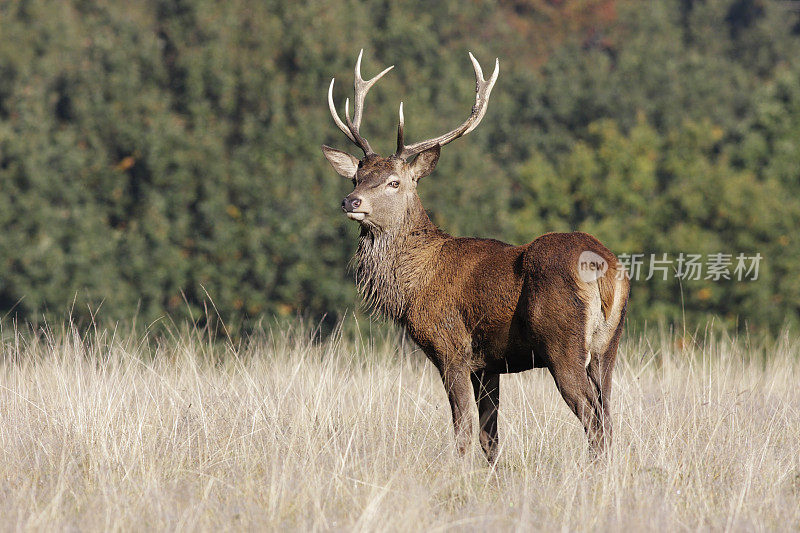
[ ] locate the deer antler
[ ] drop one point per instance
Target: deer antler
(482, 89)
(361, 89)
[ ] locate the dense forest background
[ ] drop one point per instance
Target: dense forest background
(156, 154)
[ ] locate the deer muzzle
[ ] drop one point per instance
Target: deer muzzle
(350, 205)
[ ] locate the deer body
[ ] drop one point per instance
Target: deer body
(479, 308)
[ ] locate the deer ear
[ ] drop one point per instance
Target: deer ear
(342, 162)
(425, 162)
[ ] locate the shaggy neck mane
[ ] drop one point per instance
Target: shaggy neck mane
(391, 266)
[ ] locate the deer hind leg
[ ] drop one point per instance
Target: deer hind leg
(572, 377)
(601, 385)
(600, 374)
(487, 395)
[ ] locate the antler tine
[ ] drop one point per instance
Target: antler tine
(483, 89)
(400, 125)
(335, 114)
(488, 84)
(359, 140)
(362, 87)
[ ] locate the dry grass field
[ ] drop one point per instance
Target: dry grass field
(120, 432)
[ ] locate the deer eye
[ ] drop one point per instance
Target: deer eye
(394, 184)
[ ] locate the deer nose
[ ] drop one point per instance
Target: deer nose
(351, 204)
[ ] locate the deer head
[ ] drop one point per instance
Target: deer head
(385, 187)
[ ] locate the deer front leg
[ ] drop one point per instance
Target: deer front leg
(459, 392)
(487, 395)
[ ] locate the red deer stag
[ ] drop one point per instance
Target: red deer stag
(479, 308)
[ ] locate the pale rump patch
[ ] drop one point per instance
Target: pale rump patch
(600, 330)
(588, 359)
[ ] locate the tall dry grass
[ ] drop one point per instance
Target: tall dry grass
(117, 432)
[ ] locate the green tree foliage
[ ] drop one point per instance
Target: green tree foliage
(156, 153)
